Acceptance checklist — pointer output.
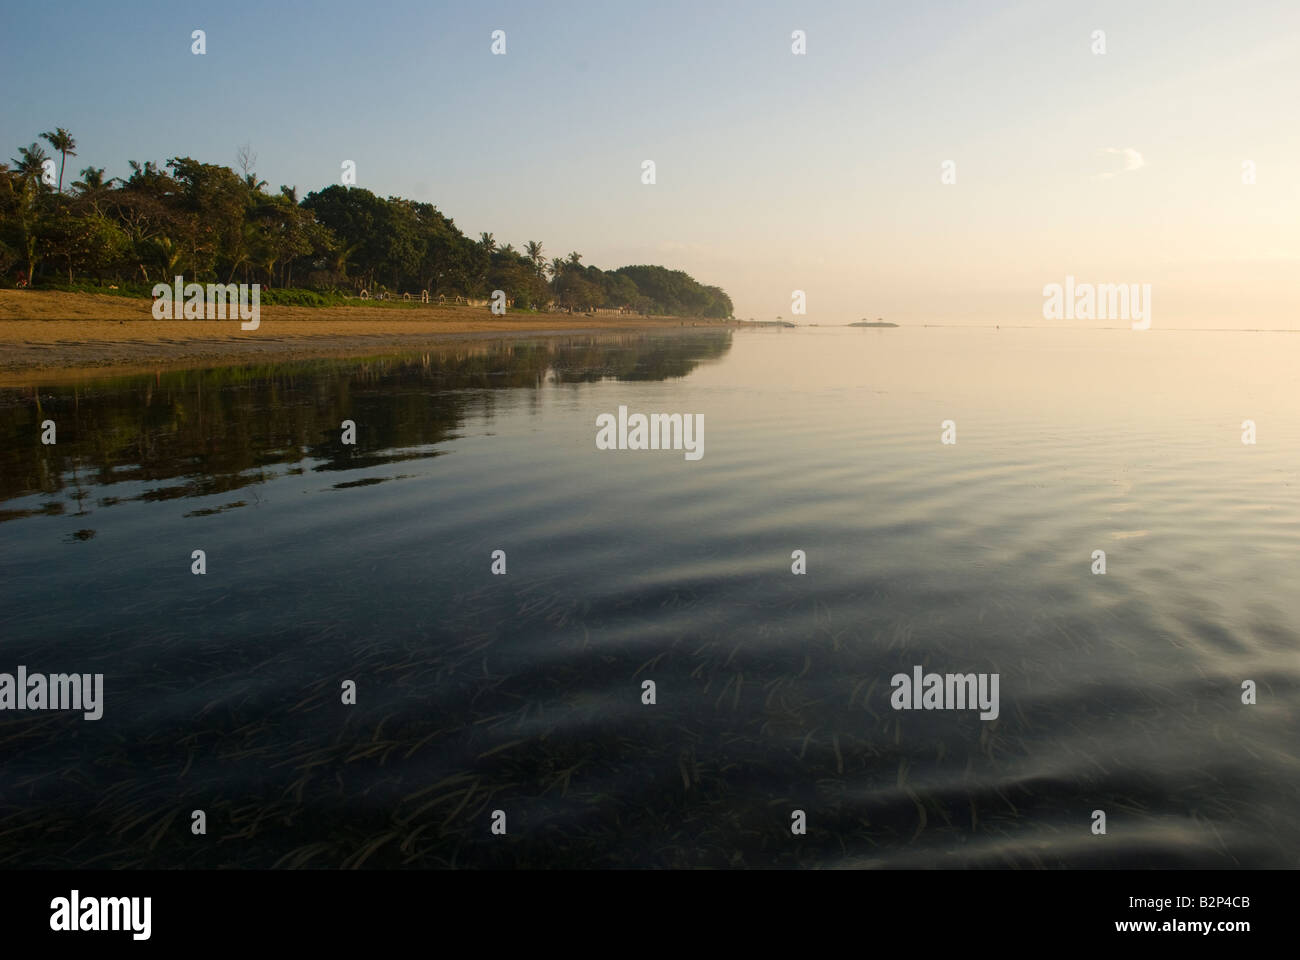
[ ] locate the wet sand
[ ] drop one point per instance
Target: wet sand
(48, 335)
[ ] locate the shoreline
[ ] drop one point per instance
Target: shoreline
(51, 335)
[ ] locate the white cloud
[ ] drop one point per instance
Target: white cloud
(1132, 161)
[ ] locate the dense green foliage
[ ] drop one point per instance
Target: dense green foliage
(211, 224)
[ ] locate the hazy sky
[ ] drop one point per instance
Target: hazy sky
(775, 172)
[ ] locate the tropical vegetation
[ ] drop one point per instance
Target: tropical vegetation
(211, 223)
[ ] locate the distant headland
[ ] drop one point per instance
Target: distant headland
(872, 323)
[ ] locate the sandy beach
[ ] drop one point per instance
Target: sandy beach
(48, 335)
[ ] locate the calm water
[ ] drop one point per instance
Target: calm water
(522, 692)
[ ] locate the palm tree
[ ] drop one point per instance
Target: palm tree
(29, 170)
(575, 258)
(533, 250)
(488, 243)
(167, 255)
(508, 249)
(32, 164)
(557, 267)
(92, 180)
(145, 175)
(62, 141)
(342, 255)
(92, 187)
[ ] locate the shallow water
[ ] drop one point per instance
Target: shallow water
(522, 693)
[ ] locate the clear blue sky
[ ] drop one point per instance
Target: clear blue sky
(775, 172)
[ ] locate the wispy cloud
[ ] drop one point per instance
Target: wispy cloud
(1132, 161)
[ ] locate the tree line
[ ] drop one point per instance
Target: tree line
(211, 223)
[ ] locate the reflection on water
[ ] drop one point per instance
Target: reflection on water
(371, 563)
(206, 432)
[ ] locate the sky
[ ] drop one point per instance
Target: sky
(774, 172)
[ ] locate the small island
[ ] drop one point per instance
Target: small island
(872, 323)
